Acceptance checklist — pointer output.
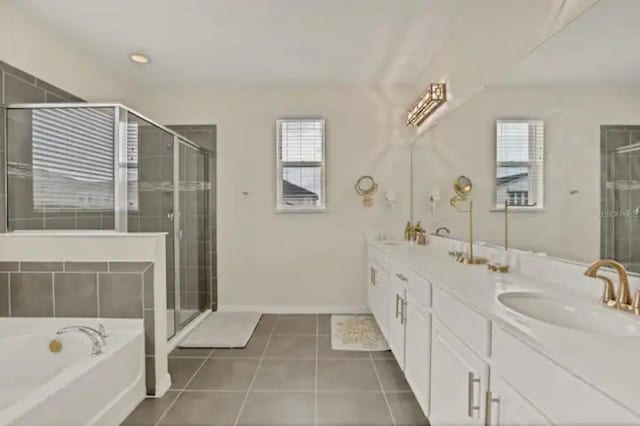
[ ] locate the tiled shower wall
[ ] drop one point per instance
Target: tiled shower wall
(82, 290)
(17, 86)
(205, 136)
(620, 195)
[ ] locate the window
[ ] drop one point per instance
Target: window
(300, 165)
(520, 163)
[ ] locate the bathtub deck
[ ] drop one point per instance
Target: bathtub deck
(287, 374)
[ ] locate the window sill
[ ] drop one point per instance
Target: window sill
(306, 211)
(519, 210)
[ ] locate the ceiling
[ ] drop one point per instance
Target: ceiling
(196, 42)
(599, 46)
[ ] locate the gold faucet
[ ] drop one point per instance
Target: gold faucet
(623, 300)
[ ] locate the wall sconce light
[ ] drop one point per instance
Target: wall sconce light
(427, 104)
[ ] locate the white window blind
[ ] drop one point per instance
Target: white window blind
(72, 159)
(300, 165)
(520, 163)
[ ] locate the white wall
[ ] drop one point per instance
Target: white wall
(293, 262)
(463, 143)
(29, 47)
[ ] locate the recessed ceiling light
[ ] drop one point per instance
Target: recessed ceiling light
(139, 58)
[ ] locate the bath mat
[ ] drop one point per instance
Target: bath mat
(223, 330)
(356, 333)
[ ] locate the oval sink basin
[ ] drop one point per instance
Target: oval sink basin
(576, 316)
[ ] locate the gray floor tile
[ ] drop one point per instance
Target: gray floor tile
(405, 409)
(205, 408)
(357, 409)
(347, 375)
(225, 374)
(150, 410)
(325, 351)
(266, 323)
(254, 348)
(324, 325)
(190, 353)
(296, 324)
(278, 408)
(382, 355)
(182, 369)
(286, 375)
(391, 375)
(292, 347)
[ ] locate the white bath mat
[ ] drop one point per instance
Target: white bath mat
(356, 333)
(223, 330)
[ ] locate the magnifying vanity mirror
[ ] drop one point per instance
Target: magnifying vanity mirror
(462, 187)
(556, 137)
(366, 187)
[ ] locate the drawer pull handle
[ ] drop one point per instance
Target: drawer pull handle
(373, 276)
(472, 408)
(402, 277)
(488, 409)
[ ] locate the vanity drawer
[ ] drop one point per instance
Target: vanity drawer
(468, 325)
(418, 288)
(557, 393)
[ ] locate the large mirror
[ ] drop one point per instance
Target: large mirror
(557, 138)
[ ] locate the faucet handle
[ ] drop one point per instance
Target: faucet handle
(635, 306)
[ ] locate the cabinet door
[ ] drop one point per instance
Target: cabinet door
(418, 352)
(397, 293)
(506, 406)
(459, 380)
(377, 295)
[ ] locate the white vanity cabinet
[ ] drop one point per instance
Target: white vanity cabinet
(397, 315)
(459, 380)
(378, 291)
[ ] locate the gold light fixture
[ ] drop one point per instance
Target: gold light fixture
(427, 104)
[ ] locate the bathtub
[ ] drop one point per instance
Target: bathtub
(38, 387)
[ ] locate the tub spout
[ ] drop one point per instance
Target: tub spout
(97, 339)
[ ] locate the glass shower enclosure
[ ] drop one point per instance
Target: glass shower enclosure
(105, 167)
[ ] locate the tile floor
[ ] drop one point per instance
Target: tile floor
(287, 375)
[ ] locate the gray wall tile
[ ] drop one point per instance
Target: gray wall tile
(148, 288)
(41, 266)
(31, 294)
(120, 295)
(150, 376)
(86, 266)
(76, 294)
(19, 91)
(128, 266)
(4, 294)
(149, 337)
(9, 266)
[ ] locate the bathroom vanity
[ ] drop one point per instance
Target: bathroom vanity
(473, 354)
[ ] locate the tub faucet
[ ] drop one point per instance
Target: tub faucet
(97, 339)
(442, 228)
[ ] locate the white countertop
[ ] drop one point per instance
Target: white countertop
(608, 363)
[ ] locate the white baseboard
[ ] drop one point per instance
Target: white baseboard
(297, 309)
(162, 386)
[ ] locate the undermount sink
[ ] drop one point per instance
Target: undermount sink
(583, 317)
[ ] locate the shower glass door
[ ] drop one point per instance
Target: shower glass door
(150, 195)
(192, 234)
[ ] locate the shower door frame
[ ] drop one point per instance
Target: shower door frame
(121, 117)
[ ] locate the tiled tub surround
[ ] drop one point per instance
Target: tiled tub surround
(71, 387)
(90, 273)
(82, 290)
